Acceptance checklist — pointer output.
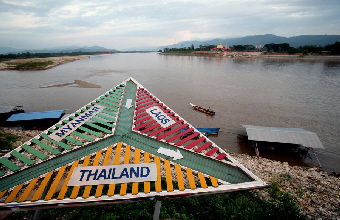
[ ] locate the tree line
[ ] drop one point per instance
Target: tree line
(332, 49)
(27, 55)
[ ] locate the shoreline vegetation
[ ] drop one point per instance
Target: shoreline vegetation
(294, 193)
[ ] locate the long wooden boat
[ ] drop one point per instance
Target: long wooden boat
(207, 111)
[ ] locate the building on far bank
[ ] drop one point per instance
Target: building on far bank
(221, 48)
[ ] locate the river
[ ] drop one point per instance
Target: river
(264, 92)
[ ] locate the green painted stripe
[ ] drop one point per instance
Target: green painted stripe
(61, 144)
(82, 136)
(102, 122)
(98, 127)
(34, 152)
(106, 102)
(112, 100)
(113, 96)
(23, 158)
(91, 132)
(116, 93)
(45, 146)
(108, 107)
(109, 113)
(106, 117)
(10, 165)
(79, 143)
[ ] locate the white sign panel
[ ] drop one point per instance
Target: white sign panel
(75, 123)
(157, 114)
(113, 174)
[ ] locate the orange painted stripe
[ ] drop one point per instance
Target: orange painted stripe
(179, 177)
(137, 160)
(158, 183)
(87, 190)
(28, 190)
(106, 162)
(146, 184)
(202, 180)
(2, 193)
(214, 181)
(123, 186)
(55, 183)
(191, 178)
(75, 190)
(111, 190)
(42, 187)
(169, 184)
(13, 193)
(64, 188)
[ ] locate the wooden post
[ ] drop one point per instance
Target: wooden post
(317, 158)
(257, 150)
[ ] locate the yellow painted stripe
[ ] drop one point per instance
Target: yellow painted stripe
(13, 193)
(55, 183)
(202, 180)
(191, 178)
(169, 184)
(179, 177)
(146, 184)
(158, 183)
(213, 181)
(64, 188)
(87, 190)
(111, 190)
(28, 190)
(42, 187)
(2, 193)
(75, 190)
(123, 186)
(106, 162)
(137, 160)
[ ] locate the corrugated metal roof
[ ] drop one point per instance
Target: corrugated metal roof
(35, 115)
(283, 135)
(6, 109)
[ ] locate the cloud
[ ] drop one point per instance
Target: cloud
(114, 24)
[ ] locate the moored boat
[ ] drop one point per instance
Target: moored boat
(207, 111)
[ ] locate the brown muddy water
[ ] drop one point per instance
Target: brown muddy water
(264, 92)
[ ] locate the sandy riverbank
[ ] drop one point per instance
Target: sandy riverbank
(317, 192)
(10, 65)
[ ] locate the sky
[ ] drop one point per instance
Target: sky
(121, 24)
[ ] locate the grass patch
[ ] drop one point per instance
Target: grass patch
(234, 205)
(7, 140)
(31, 64)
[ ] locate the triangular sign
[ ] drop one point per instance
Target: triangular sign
(125, 145)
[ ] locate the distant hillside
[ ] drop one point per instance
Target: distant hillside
(65, 49)
(296, 41)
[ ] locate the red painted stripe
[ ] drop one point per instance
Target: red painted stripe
(140, 121)
(142, 94)
(166, 110)
(142, 110)
(147, 104)
(204, 146)
(195, 143)
(163, 129)
(179, 135)
(144, 97)
(179, 143)
(221, 156)
(151, 128)
(212, 151)
(172, 131)
(141, 115)
(146, 100)
(144, 125)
